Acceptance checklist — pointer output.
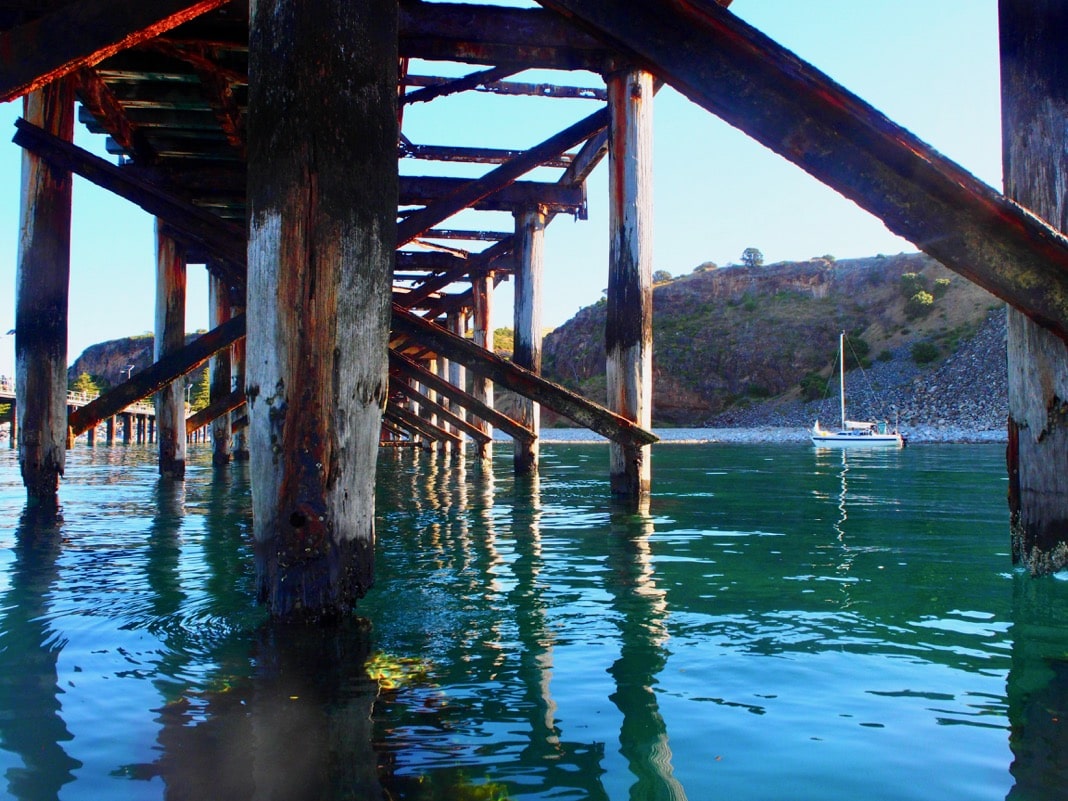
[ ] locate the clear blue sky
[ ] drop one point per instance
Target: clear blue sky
(929, 66)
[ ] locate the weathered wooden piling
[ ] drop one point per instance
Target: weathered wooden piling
(41, 298)
(322, 199)
(529, 252)
(1034, 107)
(219, 369)
(629, 325)
(238, 435)
(169, 339)
(457, 374)
(482, 335)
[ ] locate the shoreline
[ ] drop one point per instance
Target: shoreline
(918, 435)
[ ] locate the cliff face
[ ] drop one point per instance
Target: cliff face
(735, 336)
(108, 362)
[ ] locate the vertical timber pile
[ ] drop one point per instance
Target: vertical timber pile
(41, 297)
(322, 193)
(239, 440)
(482, 387)
(629, 327)
(457, 373)
(219, 369)
(529, 261)
(1034, 88)
(170, 338)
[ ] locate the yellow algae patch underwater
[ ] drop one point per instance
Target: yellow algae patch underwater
(394, 672)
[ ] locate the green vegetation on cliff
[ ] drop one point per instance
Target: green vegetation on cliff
(730, 336)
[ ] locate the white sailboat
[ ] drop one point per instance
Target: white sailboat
(853, 433)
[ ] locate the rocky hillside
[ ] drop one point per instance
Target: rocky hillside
(755, 345)
(109, 362)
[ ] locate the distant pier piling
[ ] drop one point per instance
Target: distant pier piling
(529, 267)
(629, 325)
(170, 339)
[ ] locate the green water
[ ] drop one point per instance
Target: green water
(782, 623)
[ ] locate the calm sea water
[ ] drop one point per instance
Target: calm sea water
(782, 623)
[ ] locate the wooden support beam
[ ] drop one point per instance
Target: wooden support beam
(734, 71)
(42, 285)
(482, 336)
(218, 87)
(457, 323)
(225, 240)
(586, 160)
(1034, 107)
(529, 265)
(322, 205)
(226, 184)
(421, 425)
(467, 236)
(629, 323)
(156, 376)
(481, 34)
(403, 435)
(490, 194)
(239, 441)
(462, 84)
(473, 191)
(217, 409)
(472, 155)
(561, 400)
(219, 372)
(100, 102)
(82, 34)
(404, 367)
(170, 338)
(474, 264)
(443, 413)
(518, 88)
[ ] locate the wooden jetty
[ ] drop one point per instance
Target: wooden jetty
(266, 141)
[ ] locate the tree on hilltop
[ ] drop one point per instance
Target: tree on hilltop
(752, 257)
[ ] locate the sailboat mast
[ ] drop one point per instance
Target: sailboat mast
(841, 374)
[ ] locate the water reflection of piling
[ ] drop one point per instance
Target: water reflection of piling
(556, 756)
(299, 729)
(1037, 689)
(30, 721)
(641, 609)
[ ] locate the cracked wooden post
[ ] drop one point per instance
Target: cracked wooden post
(1034, 103)
(219, 378)
(482, 335)
(529, 260)
(457, 374)
(238, 436)
(42, 286)
(629, 327)
(170, 337)
(322, 195)
(441, 369)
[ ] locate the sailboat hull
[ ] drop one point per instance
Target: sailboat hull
(857, 439)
